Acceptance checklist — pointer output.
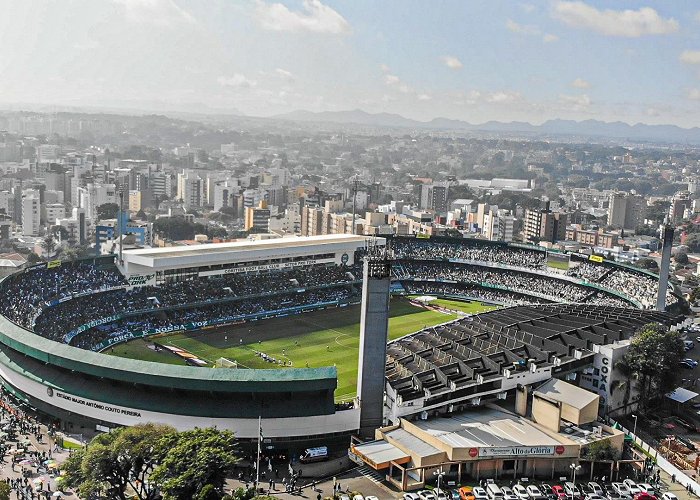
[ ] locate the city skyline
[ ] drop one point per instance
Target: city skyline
(506, 61)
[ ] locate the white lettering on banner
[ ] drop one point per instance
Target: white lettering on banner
(266, 267)
(142, 279)
(516, 451)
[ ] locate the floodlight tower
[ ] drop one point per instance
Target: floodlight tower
(374, 328)
(667, 237)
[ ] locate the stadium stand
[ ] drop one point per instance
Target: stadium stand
(89, 303)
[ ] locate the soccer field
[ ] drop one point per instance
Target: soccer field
(321, 338)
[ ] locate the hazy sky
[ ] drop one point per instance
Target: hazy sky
(467, 59)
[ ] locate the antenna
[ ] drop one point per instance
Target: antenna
(120, 223)
(354, 203)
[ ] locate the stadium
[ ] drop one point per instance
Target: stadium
(222, 334)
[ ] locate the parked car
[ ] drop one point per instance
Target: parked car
(621, 489)
(521, 492)
(358, 497)
(371, 498)
(596, 488)
(593, 496)
(546, 490)
(644, 496)
(465, 493)
(634, 489)
(508, 493)
(572, 490)
(440, 494)
(426, 495)
(453, 494)
(479, 493)
(647, 488)
(410, 496)
(534, 492)
(669, 496)
(558, 490)
(691, 361)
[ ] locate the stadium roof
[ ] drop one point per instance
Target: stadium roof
(444, 361)
(151, 259)
(239, 246)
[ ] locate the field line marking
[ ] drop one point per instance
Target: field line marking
(343, 345)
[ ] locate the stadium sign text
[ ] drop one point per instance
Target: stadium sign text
(266, 267)
(90, 324)
(98, 406)
(518, 451)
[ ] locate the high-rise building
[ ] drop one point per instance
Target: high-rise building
(434, 197)
(545, 225)
(257, 219)
(679, 205)
(190, 189)
(625, 210)
(498, 225)
(31, 212)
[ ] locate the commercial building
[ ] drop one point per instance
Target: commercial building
(591, 237)
(492, 441)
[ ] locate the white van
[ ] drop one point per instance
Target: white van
(494, 492)
(314, 455)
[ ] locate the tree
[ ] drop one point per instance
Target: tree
(647, 263)
(107, 211)
(601, 450)
(193, 460)
(174, 228)
(653, 358)
(49, 244)
(681, 258)
(119, 463)
(693, 242)
(4, 490)
(60, 232)
(33, 258)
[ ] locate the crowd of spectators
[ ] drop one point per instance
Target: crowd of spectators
(639, 286)
(36, 298)
(605, 299)
(527, 283)
(587, 271)
(24, 292)
(230, 311)
(58, 320)
(430, 250)
(467, 292)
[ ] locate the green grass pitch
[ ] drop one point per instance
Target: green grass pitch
(320, 338)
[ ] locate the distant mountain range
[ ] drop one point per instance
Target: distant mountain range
(589, 128)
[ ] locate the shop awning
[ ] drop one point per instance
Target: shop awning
(380, 454)
(681, 395)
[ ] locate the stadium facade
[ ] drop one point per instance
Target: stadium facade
(458, 366)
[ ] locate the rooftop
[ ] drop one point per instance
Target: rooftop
(558, 390)
(487, 428)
